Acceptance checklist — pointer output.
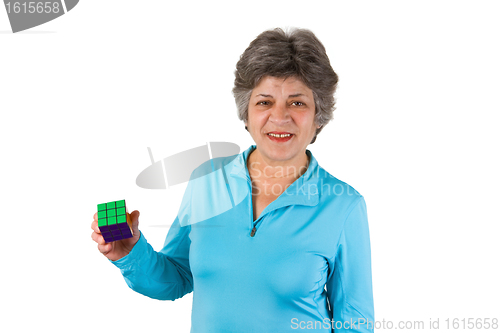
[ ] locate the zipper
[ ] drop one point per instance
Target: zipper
(252, 222)
(259, 220)
(254, 229)
(255, 224)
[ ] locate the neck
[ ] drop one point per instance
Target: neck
(262, 167)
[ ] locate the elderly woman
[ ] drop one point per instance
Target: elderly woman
(288, 246)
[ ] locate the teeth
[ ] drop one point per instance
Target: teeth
(279, 135)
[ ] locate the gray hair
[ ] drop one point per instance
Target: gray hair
(278, 53)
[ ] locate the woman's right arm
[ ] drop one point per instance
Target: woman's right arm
(163, 275)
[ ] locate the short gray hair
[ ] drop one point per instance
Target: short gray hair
(278, 53)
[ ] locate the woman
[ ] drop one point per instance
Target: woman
(288, 245)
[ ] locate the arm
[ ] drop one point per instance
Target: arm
(163, 275)
(349, 285)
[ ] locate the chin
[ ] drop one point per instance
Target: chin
(279, 154)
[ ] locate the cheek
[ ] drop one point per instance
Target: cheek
(257, 119)
(305, 121)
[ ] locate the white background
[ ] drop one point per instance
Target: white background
(415, 132)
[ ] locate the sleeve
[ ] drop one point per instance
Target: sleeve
(163, 275)
(349, 285)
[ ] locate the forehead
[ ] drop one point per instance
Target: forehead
(280, 84)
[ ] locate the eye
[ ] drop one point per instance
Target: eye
(297, 103)
(263, 103)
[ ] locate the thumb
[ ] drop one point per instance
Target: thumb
(134, 218)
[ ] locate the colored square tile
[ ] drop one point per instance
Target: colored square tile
(116, 232)
(104, 228)
(120, 211)
(101, 222)
(108, 238)
(123, 226)
(101, 207)
(126, 233)
(120, 203)
(111, 212)
(111, 205)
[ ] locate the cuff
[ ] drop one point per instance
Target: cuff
(138, 251)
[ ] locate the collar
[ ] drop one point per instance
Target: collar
(303, 191)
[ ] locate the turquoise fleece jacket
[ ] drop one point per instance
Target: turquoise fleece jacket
(304, 264)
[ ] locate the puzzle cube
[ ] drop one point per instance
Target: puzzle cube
(114, 221)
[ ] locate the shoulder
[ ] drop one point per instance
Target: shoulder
(334, 186)
(329, 186)
(336, 193)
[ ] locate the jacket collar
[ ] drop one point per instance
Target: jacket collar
(304, 191)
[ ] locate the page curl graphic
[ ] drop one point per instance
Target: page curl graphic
(177, 169)
(203, 167)
(25, 15)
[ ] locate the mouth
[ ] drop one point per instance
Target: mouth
(279, 136)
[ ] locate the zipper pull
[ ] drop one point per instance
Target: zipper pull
(253, 232)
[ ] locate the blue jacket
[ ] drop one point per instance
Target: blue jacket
(306, 265)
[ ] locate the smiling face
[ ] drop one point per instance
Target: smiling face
(281, 120)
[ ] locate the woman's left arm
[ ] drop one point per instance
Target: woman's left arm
(349, 285)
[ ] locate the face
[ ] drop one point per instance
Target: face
(281, 119)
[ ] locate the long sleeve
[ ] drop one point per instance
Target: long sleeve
(163, 275)
(349, 285)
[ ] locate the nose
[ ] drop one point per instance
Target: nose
(280, 115)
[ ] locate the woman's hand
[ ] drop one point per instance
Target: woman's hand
(117, 249)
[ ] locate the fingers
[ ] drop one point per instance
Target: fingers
(96, 234)
(105, 248)
(98, 238)
(134, 216)
(95, 227)
(102, 246)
